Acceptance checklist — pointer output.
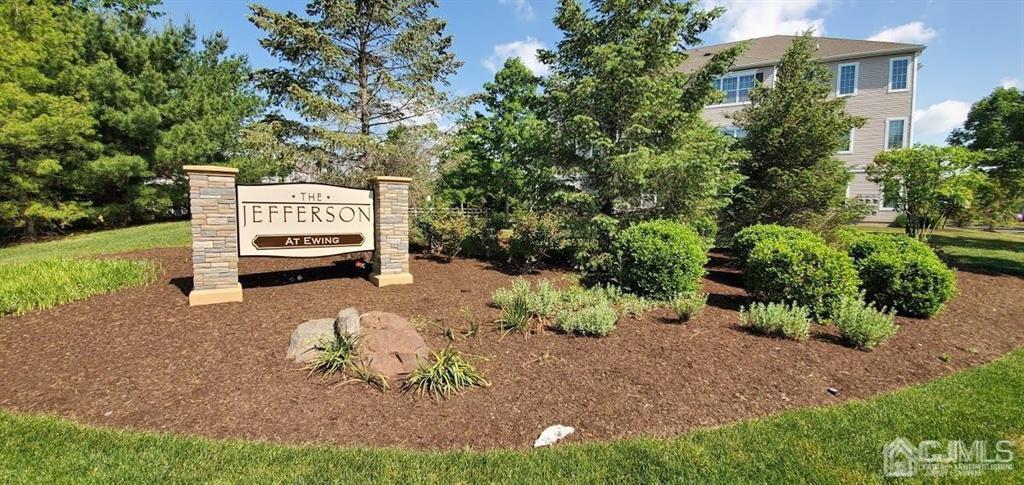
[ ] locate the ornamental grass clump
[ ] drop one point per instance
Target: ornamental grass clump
(790, 321)
(336, 355)
(862, 325)
(515, 314)
(688, 304)
(447, 374)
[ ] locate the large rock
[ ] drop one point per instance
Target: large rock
(307, 336)
(389, 345)
(347, 322)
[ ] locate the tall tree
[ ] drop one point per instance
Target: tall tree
(354, 69)
(498, 159)
(794, 129)
(995, 127)
(45, 125)
(625, 121)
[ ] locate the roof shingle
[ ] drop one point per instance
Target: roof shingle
(766, 51)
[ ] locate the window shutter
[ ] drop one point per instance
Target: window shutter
(759, 76)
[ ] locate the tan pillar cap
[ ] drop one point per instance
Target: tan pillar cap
(385, 178)
(217, 169)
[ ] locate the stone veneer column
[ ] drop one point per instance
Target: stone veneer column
(391, 231)
(211, 193)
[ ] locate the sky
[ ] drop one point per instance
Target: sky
(972, 45)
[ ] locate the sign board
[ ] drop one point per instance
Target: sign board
(303, 220)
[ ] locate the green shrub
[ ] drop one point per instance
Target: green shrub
(660, 258)
(39, 284)
(911, 283)
(625, 304)
(597, 319)
(899, 221)
(804, 271)
(688, 304)
(449, 373)
(790, 321)
(529, 240)
(861, 244)
(443, 231)
(745, 240)
(862, 325)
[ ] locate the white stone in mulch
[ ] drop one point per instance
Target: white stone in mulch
(553, 434)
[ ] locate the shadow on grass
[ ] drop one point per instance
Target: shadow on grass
(966, 241)
(985, 265)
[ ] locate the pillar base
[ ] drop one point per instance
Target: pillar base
(391, 279)
(215, 295)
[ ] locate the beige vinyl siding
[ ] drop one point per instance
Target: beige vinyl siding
(716, 115)
(874, 102)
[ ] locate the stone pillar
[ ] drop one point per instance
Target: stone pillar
(391, 231)
(211, 193)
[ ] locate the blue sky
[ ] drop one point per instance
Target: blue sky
(973, 46)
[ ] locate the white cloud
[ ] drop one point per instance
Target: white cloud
(912, 33)
(525, 50)
(940, 118)
(747, 20)
(1009, 82)
(523, 8)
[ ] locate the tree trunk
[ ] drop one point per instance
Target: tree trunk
(30, 229)
(364, 101)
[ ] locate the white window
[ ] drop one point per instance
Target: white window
(846, 82)
(895, 133)
(733, 131)
(736, 86)
(847, 148)
(899, 74)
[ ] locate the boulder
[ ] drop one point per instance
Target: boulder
(306, 336)
(347, 322)
(389, 345)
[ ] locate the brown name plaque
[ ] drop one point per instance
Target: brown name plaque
(298, 241)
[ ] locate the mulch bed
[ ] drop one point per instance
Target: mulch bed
(143, 359)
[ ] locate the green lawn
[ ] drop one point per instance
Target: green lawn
(40, 275)
(841, 443)
(168, 234)
(989, 251)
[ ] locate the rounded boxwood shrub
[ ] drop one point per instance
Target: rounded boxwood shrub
(860, 244)
(745, 240)
(804, 271)
(660, 259)
(910, 282)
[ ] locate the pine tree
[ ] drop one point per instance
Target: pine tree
(45, 122)
(794, 129)
(354, 69)
(626, 121)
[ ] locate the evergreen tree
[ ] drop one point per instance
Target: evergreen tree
(354, 69)
(794, 129)
(626, 122)
(498, 159)
(45, 125)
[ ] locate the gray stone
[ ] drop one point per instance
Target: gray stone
(305, 338)
(389, 345)
(347, 322)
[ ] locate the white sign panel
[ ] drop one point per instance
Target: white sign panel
(303, 220)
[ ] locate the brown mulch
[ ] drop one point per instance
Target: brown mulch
(143, 359)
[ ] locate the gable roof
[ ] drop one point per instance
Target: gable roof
(766, 51)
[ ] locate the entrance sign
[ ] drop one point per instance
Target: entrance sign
(303, 220)
(293, 221)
